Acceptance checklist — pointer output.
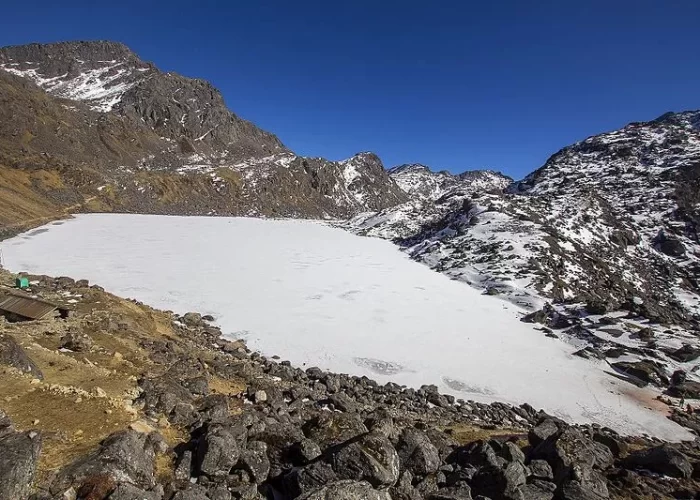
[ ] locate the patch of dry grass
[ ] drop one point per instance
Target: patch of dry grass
(71, 424)
(468, 433)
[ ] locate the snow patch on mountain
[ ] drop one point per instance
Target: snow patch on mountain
(101, 88)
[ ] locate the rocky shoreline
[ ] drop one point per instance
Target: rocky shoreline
(181, 413)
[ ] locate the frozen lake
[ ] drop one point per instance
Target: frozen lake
(319, 296)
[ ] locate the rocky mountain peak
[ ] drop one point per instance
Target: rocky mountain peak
(410, 167)
(109, 77)
(422, 182)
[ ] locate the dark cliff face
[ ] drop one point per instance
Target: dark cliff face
(193, 112)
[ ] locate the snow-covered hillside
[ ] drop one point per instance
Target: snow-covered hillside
(610, 220)
(321, 296)
(422, 183)
(602, 242)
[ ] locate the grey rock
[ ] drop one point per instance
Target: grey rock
(443, 442)
(279, 438)
(663, 459)
(538, 490)
(197, 385)
(76, 342)
(404, 489)
(329, 429)
(217, 452)
(544, 430)
(540, 469)
(616, 446)
(260, 396)
(192, 319)
(18, 461)
(254, 460)
(126, 491)
(585, 484)
(303, 480)
(126, 455)
(511, 452)
(428, 485)
(12, 354)
(669, 245)
(417, 452)
(685, 354)
(221, 492)
(371, 458)
(343, 402)
(500, 483)
(346, 490)
(192, 492)
(163, 394)
(478, 454)
(688, 389)
(572, 449)
(305, 451)
(644, 372)
(451, 493)
(183, 470)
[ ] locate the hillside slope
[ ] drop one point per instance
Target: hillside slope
(611, 221)
(111, 127)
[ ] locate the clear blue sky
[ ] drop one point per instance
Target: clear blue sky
(452, 84)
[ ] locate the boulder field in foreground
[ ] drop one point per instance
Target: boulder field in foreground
(134, 403)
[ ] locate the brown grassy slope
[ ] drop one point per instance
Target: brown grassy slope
(54, 153)
(86, 395)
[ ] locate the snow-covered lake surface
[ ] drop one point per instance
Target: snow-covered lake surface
(319, 296)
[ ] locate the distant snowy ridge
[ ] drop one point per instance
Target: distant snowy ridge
(611, 220)
(422, 183)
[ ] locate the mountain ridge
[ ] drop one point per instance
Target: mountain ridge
(185, 151)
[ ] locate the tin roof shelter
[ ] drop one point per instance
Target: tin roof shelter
(24, 307)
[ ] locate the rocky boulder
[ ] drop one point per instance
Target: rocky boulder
(663, 459)
(329, 429)
(417, 453)
(346, 490)
(18, 461)
(218, 451)
(669, 245)
(645, 372)
(685, 353)
(576, 462)
(126, 456)
(687, 389)
(300, 481)
(370, 458)
(500, 483)
(12, 354)
(76, 342)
